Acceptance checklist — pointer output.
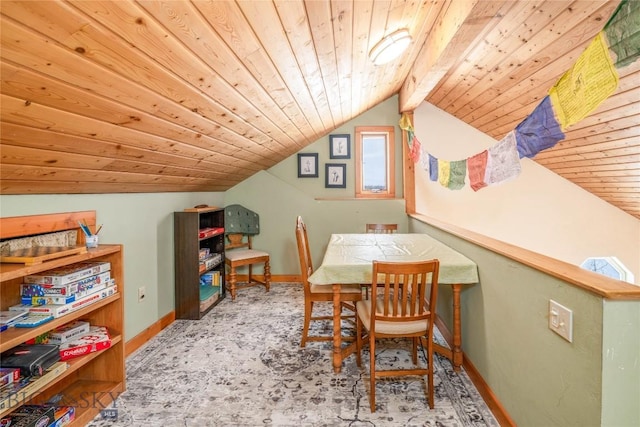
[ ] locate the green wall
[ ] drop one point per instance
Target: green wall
(541, 379)
(143, 223)
(279, 196)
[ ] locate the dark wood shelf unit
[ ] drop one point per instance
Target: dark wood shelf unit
(187, 245)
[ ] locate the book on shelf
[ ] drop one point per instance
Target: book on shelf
(211, 278)
(203, 233)
(70, 273)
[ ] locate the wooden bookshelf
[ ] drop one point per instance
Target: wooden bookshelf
(187, 227)
(91, 382)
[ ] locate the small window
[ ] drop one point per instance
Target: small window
(608, 266)
(375, 162)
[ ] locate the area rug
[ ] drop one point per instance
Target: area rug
(242, 365)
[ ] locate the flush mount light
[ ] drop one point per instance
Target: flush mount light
(390, 47)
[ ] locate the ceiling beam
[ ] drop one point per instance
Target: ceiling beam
(460, 23)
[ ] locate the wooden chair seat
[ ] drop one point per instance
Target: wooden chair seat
(239, 253)
(402, 305)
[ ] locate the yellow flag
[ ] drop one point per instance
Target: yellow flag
(444, 172)
(591, 80)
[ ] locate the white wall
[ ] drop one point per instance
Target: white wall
(539, 210)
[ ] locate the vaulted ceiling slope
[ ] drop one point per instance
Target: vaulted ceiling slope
(161, 96)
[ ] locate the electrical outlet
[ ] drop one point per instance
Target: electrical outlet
(561, 320)
(141, 293)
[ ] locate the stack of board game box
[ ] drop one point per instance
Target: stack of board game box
(57, 292)
(76, 339)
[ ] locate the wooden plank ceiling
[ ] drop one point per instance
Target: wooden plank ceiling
(162, 96)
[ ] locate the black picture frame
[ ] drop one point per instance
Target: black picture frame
(307, 165)
(335, 175)
(340, 146)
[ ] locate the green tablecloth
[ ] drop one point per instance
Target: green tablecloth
(349, 257)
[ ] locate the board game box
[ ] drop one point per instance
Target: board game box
(69, 274)
(29, 416)
(43, 290)
(9, 316)
(9, 375)
(97, 339)
(61, 310)
(68, 332)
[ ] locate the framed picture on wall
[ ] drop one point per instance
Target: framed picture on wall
(307, 165)
(340, 146)
(335, 175)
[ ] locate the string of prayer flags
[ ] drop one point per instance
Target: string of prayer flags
(457, 172)
(503, 162)
(477, 166)
(414, 144)
(414, 151)
(623, 33)
(443, 172)
(539, 131)
(591, 80)
(433, 168)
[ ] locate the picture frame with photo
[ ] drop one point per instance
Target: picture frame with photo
(307, 165)
(335, 175)
(340, 146)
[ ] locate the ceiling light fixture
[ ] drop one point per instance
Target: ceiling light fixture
(390, 47)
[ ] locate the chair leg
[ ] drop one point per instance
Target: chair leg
(308, 308)
(372, 372)
(232, 283)
(414, 350)
(267, 275)
(430, 374)
(358, 341)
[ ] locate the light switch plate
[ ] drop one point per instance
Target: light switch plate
(561, 320)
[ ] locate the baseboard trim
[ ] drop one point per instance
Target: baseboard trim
(282, 278)
(139, 340)
(483, 388)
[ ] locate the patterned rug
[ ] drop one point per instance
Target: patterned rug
(242, 365)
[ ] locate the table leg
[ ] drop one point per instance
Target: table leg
(454, 354)
(457, 328)
(337, 333)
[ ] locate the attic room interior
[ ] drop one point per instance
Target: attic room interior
(139, 111)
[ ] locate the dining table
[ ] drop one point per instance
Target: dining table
(348, 259)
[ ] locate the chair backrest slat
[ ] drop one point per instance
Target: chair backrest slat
(304, 254)
(381, 228)
(405, 291)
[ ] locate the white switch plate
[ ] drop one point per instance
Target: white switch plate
(561, 320)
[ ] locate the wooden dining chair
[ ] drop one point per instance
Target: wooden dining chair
(240, 225)
(381, 228)
(349, 294)
(402, 306)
